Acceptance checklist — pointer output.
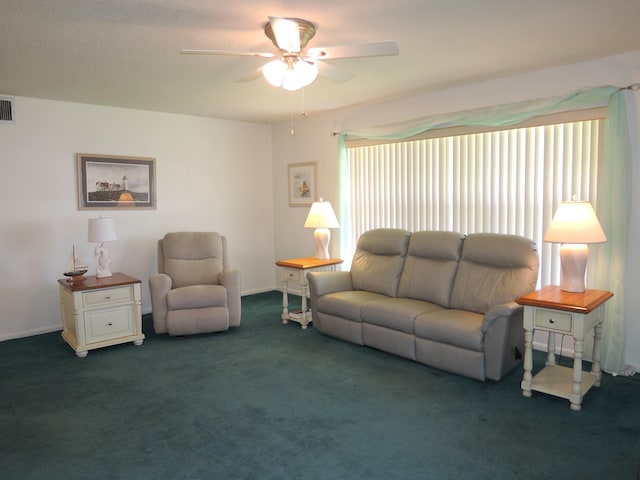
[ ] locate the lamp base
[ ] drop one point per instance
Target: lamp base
(573, 259)
(322, 237)
(103, 269)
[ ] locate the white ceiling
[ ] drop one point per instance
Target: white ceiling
(125, 52)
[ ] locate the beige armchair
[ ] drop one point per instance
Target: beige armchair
(194, 290)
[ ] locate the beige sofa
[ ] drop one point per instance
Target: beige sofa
(440, 298)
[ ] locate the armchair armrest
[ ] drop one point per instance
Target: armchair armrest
(505, 310)
(230, 279)
(159, 286)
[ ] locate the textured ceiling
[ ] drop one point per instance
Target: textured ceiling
(124, 53)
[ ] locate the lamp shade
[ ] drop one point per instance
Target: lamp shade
(321, 215)
(575, 222)
(289, 73)
(102, 229)
(274, 72)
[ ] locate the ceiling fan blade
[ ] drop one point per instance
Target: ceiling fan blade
(251, 76)
(189, 51)
(353, 50)
(287, 33)
(332, 73)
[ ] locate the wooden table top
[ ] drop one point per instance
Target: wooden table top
(91, 282)
(554, 297)
(308, 262)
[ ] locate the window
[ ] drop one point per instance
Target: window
(501, 181)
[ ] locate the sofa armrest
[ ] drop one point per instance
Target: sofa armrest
(323, 283)
(230, 279)
(159, 286)
(505, 310)
(503, 339)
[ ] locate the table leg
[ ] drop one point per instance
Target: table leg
(551, 349)
(285, 302)
(528, 363)
(576, 394)
(304, 287)
(597, 342)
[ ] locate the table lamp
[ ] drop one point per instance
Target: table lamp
(102, 229)
(322, 218)
(574, 225)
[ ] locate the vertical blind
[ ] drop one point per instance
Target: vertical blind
(505, 181)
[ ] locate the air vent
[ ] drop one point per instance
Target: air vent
(6, 110)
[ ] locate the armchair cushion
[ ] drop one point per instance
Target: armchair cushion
(193, 258)
(197, 296)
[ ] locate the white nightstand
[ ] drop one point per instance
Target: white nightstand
(98, 312)
(556, 311)
(295, 270)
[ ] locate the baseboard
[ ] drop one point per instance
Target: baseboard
(256, 291)
(30, 333)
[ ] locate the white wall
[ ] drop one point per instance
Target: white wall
(313, 142)
(209, 177)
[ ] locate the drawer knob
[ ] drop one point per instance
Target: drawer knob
(551, 321)
(107, 297)
(110, 324)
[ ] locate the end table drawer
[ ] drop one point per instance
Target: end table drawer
(290, 275)
(107, 324)
(98, 298)
(553, 320)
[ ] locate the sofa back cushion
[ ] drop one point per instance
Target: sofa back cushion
(430, 267)
(192, 258)
(378, 261)
(494, 269)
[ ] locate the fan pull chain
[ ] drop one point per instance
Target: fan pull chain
(293, 130)
(304, 113)
(304, 110)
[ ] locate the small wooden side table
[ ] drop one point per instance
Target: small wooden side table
(295, 270)
(99, 312)
(556, 311)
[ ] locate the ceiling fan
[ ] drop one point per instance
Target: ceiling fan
(298, 66)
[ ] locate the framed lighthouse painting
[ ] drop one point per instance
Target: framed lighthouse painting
(111, 182)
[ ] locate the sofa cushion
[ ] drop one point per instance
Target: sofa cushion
(494, 269)
(192, 258)
(395, 313)
(197, 296)
(430, 266)
(378, 261)
(347, 304)
(453, 327)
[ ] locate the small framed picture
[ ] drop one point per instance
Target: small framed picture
(111, 182)
(302, 184)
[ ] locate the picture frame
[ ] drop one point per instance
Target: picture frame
(302, 184)
(111, 182)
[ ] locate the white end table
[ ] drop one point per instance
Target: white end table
(295, 270)
(99, 312)
(575, 313)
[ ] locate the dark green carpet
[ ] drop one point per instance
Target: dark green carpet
(272, 401)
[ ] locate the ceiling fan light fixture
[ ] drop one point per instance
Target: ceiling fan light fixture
(274, 72)
(300, 75)
(290, 74)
